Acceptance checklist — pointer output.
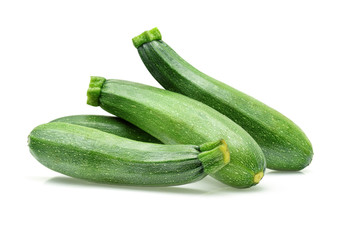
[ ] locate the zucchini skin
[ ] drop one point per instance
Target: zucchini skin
(177, 119)
(284, 144)
(113, 125)
(94, 155)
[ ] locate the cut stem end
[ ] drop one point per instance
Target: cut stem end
(94, 90)
(147, 36)
(214, 156)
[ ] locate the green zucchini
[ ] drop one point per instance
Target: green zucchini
(284, 144)
(113, 125)
(94, 155)
(177, 119)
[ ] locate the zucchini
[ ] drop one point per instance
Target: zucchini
(284, 144)
(177, 119)
(94, 155)
(113, 125)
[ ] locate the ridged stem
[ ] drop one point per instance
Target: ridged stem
(94, 90)
(147, 36)
(214, 156)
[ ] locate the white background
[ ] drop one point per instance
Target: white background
(284, 53)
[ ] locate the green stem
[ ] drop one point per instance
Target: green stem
(147, 36)
(214, 156)
(94, 90)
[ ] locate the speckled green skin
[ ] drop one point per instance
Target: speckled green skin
(177, 119)
(113, 125)
(284, 144)
(94, 155)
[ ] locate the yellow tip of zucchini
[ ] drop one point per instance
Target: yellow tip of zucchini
(258, 177)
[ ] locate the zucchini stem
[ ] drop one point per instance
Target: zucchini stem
(214, 156)
(94, 90)
(147, 36)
